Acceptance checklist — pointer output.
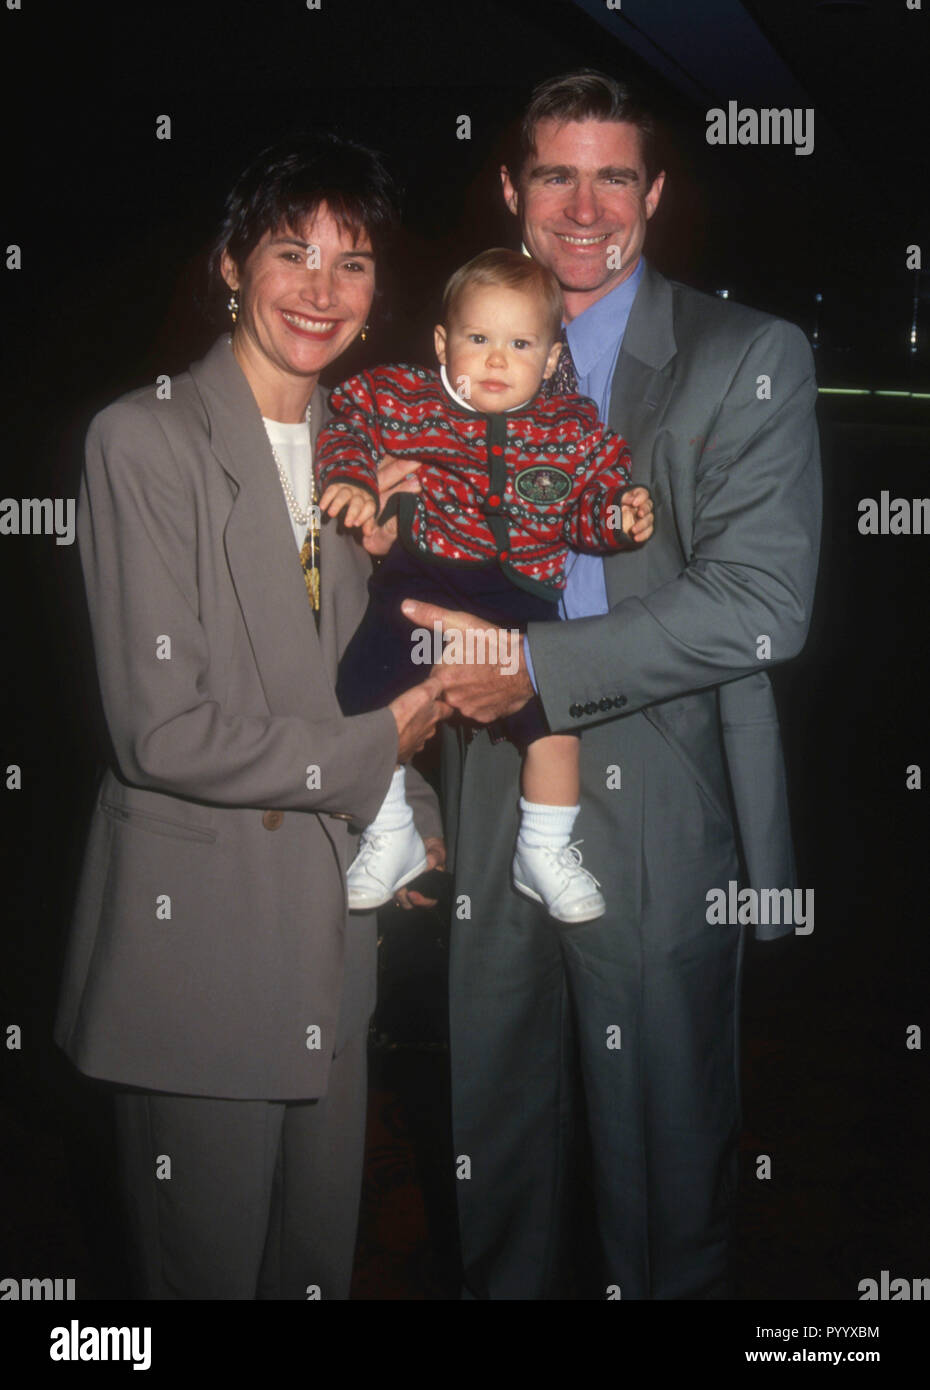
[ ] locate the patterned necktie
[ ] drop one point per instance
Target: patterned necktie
(564, 380)
(310, 556)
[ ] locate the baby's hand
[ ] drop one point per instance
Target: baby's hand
(359, 504)
(636, 514)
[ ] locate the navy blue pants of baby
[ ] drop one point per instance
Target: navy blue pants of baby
(377, 665)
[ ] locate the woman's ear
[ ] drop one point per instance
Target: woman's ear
(229, 270)
(439, 340)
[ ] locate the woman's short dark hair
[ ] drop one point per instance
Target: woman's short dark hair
(292, 179)
(587, 95)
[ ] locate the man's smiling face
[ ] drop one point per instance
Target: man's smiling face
(583, 200)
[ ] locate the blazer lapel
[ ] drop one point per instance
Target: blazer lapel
(342, 571)
(259, 541)
(641, 385)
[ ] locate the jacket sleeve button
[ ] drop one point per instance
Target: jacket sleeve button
(605, 704)
(575, 711)
(590, 707)
(619, 701)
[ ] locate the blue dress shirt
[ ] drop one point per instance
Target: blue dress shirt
(595, 338)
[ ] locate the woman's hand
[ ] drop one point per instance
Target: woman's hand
(394, 475)
(416, 713)
(435, 859)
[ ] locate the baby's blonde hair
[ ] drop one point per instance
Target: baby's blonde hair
(513, 271)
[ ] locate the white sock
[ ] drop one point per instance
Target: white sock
(394, 813)
(545, 826)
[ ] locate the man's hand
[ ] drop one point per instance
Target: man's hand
(416, 713)
(435, 859)
(636, 514)
(492, 680)
(394, 475)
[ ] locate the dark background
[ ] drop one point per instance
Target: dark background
(114, 226)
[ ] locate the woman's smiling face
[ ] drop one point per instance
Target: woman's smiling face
(304, 295)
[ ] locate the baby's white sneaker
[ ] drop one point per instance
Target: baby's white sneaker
(386, 861)
(558, 879)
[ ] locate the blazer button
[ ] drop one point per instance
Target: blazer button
(605, 704)
(619, 701)
(576, 711)
(590, 707)
(271, 820)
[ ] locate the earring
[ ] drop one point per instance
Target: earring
(364, 334)
(232, 304)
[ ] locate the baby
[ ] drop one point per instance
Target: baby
(510, 481)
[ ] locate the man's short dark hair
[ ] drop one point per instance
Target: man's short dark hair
(587, 95)
(292, 179)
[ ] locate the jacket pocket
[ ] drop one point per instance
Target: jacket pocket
(690, 728)
(157, 825)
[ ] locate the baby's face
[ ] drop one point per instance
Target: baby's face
(497, 348)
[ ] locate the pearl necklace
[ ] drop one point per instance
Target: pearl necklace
(302, 516)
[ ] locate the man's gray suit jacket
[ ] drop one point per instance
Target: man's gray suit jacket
(717, 404)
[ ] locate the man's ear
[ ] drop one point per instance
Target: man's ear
(552, 361)
(511, 197)
(229, 271)
(439, 341)
(655, 193)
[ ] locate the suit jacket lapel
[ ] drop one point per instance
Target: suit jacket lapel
(259, 541)
(342, 572)
(640, 388)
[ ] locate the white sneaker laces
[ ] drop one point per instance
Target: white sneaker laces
(371, 843)
(569, 859)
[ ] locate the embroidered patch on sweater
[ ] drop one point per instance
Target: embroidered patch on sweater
(542, 484)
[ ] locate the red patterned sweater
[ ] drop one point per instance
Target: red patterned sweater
(519, 488)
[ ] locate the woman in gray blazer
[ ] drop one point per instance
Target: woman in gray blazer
(214, 973)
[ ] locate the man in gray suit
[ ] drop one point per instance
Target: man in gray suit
(664, 673)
